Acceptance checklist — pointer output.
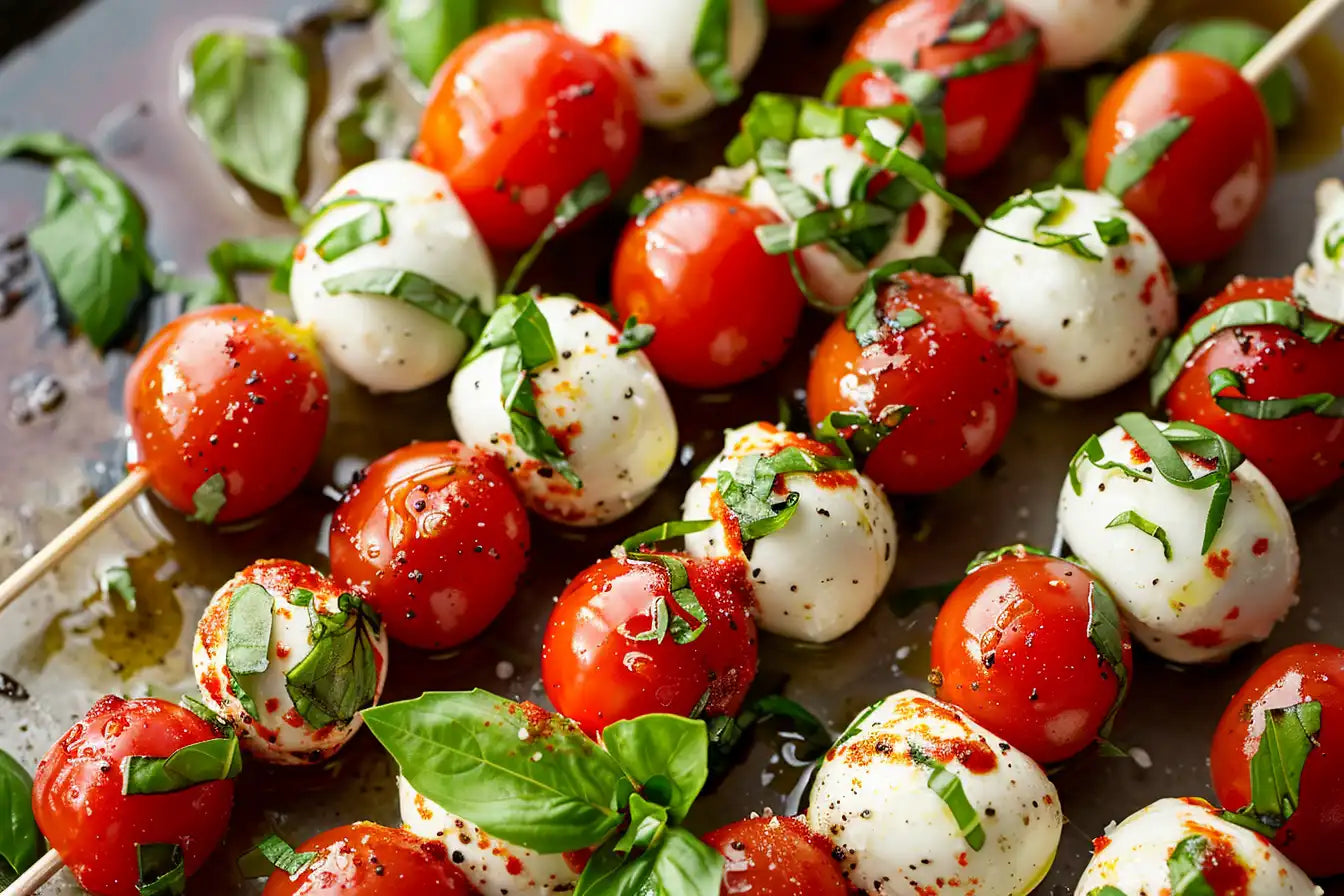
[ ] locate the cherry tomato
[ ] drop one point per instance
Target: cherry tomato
(983, 110)
(80, 807)
(1010, 647)
(722, 309)
(1311, 835)
(520, 114)
(1301, 454)
(801, 7)
(776, 856)
(950, 368)
(365, 859)
(596, 668)
(228, 390)
(434, 537)
(1202, 194)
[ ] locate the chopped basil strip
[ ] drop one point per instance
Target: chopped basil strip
(244, 698)
(301, 597)
(339, 676)
(1014, 51)
(749, 491)
(161, 869)
(863, 318)
(248, 642)
(1113, 231)
(209, 499)
(271, 853)
(971, 21)
(673, 529)
(1185, 868)
(679, 584)
(948, 787)
(415, 289)
(1322, 404)
(1106, 632)
(1286, 742)
(647, 201)
(864, 432)
(345, 238)
(1147, 527)
(594, 190)
(1092, 452)
(984, 558)
(202, 711)
(713, 42)
(218, 759)
(117, 580)
(1054, 206)
(20, 839)
(634, 336)
(1132, 164)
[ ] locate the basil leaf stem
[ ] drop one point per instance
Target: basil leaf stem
(949, 788)
(1147, 527)
(217, 759)
(591, 192)
(1132, 164)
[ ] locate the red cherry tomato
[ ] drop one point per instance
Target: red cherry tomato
(1010, 647)
(1301, 454)
(723, 310)
(1201, 196)
(801, 7)
(365, 859)
(776, 856)
(950, 368)
(230, 390)
(434, 537)
(983, 110)
(1311, 836)
(596, 671)
(80, 807)
(520, 114)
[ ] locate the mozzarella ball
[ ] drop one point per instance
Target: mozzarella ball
(381, 342)
(1133, 856)
(1197, 606)
(608, 412)
(301, 598)
(1321, 282)
(1081, 327)
(493, 867)
(893, 833)
(1077, 33)
(819, 575)
(827, 167)
(659, 38)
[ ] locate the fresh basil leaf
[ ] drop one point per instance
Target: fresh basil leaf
(345, 238)
(117, 580)
(1286, 742)
(864, 432)
(826, 224)
(1322, 404)
(1054, 206)
(648, 821)
(672, 746)
(686, 865)
(248, 641)
(1113, 231)
(265, 254)
(201, 711)
(426, 33)
(41, 145)
(1185, 868)
(1107, 634)
(749, 491)
(634, 336)
(209, 499)
(591, 192)
(217, 759)
(429, 296)
(1132, 164)
(339, 676)
(663, 532)
(250, 97)
(20, 840)
(272, 853)
(984, 558)
(1235, 41)
(709, 53)
(1147, 527)
(949, 788)
(238, 690)
(1332, 244)
(301, 597)
(609, 873)
(162, 872)
(862, 318)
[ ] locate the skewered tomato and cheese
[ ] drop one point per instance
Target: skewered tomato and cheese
(1077, 33)
(209, 399)
(927, 376)
(288, 660)
(434, 538)
(1320, 282)
(365, 859)
(917, 797)
(1196, 545)
(820, 536)
(1186, 841)
(1087, 315)
(661, 40)
(1256, 367)
(389, 274)
(775, 855)
(576, 411)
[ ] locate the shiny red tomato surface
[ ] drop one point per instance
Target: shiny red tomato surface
(1312, 834)
(231, 390)
(776, 856)
(596, 671)
(1010, 647)
(1300, 454)
(520, 114)
(983, 110)
(365, 859)
(434, 537)
(951, 368)
(722, 308)
(80, 807)
(1200, 197)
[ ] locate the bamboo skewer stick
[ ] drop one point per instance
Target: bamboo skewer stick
(43, 870)
(1288, 39)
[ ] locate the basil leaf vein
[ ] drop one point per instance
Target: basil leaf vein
(339, 675)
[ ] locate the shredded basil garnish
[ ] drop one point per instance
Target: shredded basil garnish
(663, 532)
(1147, 527)
(864, 319)
(1092, 452)
(710, 50)
(1185, 868)
(1287, 740)
(970, 22)
(664, 623)
(749, 491)
(1014, 51)
(864, 432)
(948, 787)
(209, 499)
(1106, 632)
(593, 190)
(1113, 231)
(360, 231)
(1132, 164)
(271, 853)
(634, 336)
(162, 872)
(1322, 404)
(217, 759)
(415, 289)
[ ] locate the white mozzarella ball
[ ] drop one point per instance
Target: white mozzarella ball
(819, 575)
(660, 36)
(1077, 33)
(1197, 606)
(1134, 855)
(873, 800)
(827, 167)
(278, 733)
(609, 414)
(1081, 327)
(382, 342)
(492, 866)
(1321, 282)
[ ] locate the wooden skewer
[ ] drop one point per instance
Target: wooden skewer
(104, 509)
(43, 870)
(1288, 39)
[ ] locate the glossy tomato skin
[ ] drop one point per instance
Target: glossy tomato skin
(1201, 196)
(596, 674)
(434, 537)
(776, 856)
(1303, 672)
(365, 859)
(80, 807)
(951, 368)
(723, 310)
(1010, 647)
(520, 114)
(983, 111)
(231, 390)
(1301, 454)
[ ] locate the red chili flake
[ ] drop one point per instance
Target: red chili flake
(1261, 545)
(1100, 843)
(272, 704)
(1123, 264)
(1218, 562)
(962, 860)
(1146, 295)
(1232, 614)
(513, 866)
(300, 251)
(1203, 637)
(915, 220)
(1046, 378)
